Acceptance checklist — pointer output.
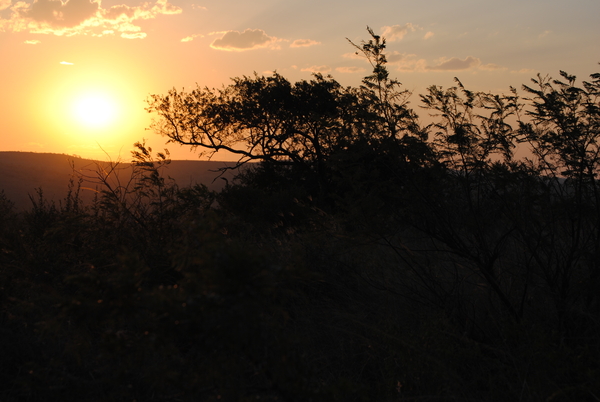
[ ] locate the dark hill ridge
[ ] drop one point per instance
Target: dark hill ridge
(21, 173)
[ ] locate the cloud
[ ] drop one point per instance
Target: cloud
(57, 14)
(401, 61)
(35, 144)
(491, 67)
(304, 43)
(397, 32)
(32, 42)
(317, 69)
(456, 64)
(428, 35)
(4, 4)
(354, 55)
(66, 63)
(350, 70)
(239, 41)
(191, 37)
(134, 35)
(83, 17)
(543, 34)
(525, 71)
(395, 56)
(406, 62)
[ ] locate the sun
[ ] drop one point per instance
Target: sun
(94, 110)
(97, 111)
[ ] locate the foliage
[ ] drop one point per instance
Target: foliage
(306, 124)
(565, 126)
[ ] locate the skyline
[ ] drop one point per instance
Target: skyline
(61, 59)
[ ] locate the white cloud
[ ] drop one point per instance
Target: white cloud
(397, 32)
(134, 35)
(395, 56)
(4, 4)
(191, 37)
(543, 34)
(401, 61)
(350, 70)
(406, 62)
(74, 17)
(353, 55)
(248, 40)
(32, 42)
(491, 66)
(304, 43)
(456, 64)
(524, 71)
(36, 144)
(66, 63)
(317, 69)
(57, 14)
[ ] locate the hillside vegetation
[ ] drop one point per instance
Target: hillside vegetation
(365, 257)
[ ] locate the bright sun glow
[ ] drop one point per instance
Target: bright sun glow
(95, 110)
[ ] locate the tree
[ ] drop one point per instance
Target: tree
(385, 94)
(564, 131)
(266, 119)
(271, 120)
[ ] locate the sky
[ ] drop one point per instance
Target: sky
(75, 75)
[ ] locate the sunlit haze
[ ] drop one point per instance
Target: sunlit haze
(76, 73)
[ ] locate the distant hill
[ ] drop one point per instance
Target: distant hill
(21, 173)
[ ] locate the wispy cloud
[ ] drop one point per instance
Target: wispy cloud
(545, 33)
(317, 69)
(57, 14)
(525, 71)
(66, 63)
(4, 4)
(35, 144)
(456, 64)
(248, 40)
(75, 17)
(191, 37)
(428, 35)
(133, 35)
(350, 70)
(304, 43)
(406, 62)
(354, 55)
(32, 42)
(397, 32)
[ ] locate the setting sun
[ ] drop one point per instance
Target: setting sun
(94, 110)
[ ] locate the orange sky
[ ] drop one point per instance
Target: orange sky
(57, 55)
